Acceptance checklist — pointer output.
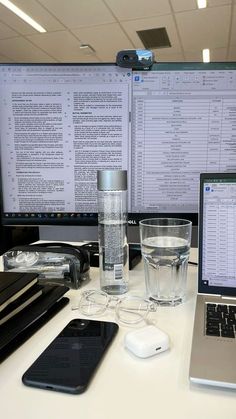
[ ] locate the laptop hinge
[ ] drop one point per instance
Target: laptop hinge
(226, 297)
(223, 297)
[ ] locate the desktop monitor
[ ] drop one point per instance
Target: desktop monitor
(60, 123)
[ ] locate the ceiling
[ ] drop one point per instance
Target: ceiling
(111, 25)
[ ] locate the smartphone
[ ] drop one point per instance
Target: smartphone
(70, 361)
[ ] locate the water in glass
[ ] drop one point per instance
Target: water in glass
(165, 262)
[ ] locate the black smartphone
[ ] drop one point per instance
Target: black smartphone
(69, 362)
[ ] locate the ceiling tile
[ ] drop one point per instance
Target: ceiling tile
(213, 3)
(107, 40)
(74, 14)
(87, 59)
(233, 30)
(183, 5)
(206, 28)
(6, 32)
(5, 59)
(163, 56)
(219, 54)
(62, 45)
(193, 56)
(21, 50)
(125, 10)
(167, 21)
(232, 54)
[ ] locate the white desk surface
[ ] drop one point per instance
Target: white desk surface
(124, 386)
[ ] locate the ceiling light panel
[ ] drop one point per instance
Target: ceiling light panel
(206, 55)
(11, 6)
(201, 4)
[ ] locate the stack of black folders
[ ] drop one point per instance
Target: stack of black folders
(25, 305)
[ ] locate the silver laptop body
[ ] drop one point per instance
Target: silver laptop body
(213, 356)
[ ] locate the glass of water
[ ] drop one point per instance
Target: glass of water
(165, 245)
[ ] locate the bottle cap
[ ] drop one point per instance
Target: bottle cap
(112, 180)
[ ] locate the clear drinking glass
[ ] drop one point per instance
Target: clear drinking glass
(165, 245)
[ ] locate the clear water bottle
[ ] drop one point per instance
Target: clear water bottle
(112, 230)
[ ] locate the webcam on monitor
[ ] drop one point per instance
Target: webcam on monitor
(140, 59)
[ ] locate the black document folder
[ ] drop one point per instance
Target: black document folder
(13, 285)
(20, 327)
(22, 302)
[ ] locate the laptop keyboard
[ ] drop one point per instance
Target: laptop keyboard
(220, 320)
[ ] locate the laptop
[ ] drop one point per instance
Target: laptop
(213, 352)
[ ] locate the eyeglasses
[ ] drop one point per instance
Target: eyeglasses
(128, 310)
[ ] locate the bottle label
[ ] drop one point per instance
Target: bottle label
(118, 272)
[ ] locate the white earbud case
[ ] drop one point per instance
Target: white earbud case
(147, 341)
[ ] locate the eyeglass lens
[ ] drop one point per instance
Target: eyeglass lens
(132, 310)
(93, 303)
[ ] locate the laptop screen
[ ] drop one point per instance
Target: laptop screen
(217, 234)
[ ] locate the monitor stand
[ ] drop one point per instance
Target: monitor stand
(68, 233)
(90, 233)
(79, 233)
